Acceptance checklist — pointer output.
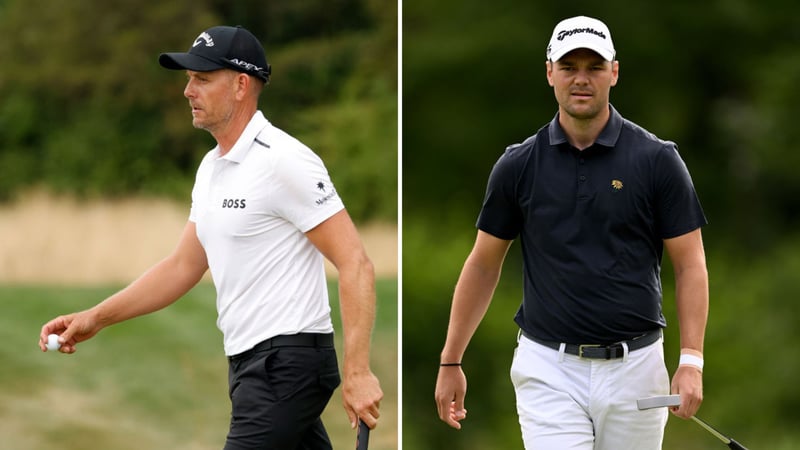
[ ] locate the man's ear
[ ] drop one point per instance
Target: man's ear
(549, 71)
(614, 72)
(242, 85)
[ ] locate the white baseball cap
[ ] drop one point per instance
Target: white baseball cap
(580, 32)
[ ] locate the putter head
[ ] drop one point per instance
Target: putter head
(659, 401)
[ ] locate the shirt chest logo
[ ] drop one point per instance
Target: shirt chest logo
(234, 203)
(616, 184)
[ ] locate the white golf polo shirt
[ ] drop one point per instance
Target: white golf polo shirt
(252, 208)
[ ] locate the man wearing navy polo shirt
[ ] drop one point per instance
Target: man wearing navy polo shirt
(594, 199)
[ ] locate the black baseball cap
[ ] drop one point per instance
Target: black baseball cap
(222, 47)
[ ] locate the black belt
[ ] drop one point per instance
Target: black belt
(599, 351)
(288, 340)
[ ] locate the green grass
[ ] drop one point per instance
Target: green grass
(154, 382)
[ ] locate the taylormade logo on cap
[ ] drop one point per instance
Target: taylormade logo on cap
(580, 32)
(566, 33)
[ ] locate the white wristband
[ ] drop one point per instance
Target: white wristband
(691, 360)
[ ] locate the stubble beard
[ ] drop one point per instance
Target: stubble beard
(212, 126)
(583, 111)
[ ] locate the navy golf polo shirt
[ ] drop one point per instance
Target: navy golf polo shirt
(591, 225)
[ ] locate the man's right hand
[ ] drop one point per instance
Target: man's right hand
(71, 328)
(451, 387)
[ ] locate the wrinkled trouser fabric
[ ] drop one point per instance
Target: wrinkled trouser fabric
(569, 403)
(277, 397)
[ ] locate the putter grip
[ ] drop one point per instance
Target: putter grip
(362, 439)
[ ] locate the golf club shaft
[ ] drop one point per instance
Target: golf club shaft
(711, 430)
(725, 440)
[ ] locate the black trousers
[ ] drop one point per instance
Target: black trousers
(277, 396)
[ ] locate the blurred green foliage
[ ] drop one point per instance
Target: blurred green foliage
(719, 78)
(86, 109)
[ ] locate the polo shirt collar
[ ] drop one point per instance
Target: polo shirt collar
(245, 141)
(607, 138)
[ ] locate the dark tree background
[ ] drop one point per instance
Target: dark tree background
(86, 109)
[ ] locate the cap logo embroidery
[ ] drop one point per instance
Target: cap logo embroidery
(204, 37)
(566, 33)
(616, 184)
(244, 64)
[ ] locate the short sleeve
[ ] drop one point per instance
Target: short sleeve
(305, 193)
(500, 214)
(678, 206)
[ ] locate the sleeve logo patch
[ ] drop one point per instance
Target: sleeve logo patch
(330, 192)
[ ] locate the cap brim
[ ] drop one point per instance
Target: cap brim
(605, 53)
(187, 61)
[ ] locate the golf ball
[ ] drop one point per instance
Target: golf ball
(52, 342)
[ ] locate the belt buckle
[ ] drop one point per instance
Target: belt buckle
(585, 346)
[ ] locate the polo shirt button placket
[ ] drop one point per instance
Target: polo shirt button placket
(582, 185)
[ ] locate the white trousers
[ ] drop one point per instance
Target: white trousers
(569, 403)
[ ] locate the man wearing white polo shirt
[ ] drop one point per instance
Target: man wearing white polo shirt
(264, 214)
